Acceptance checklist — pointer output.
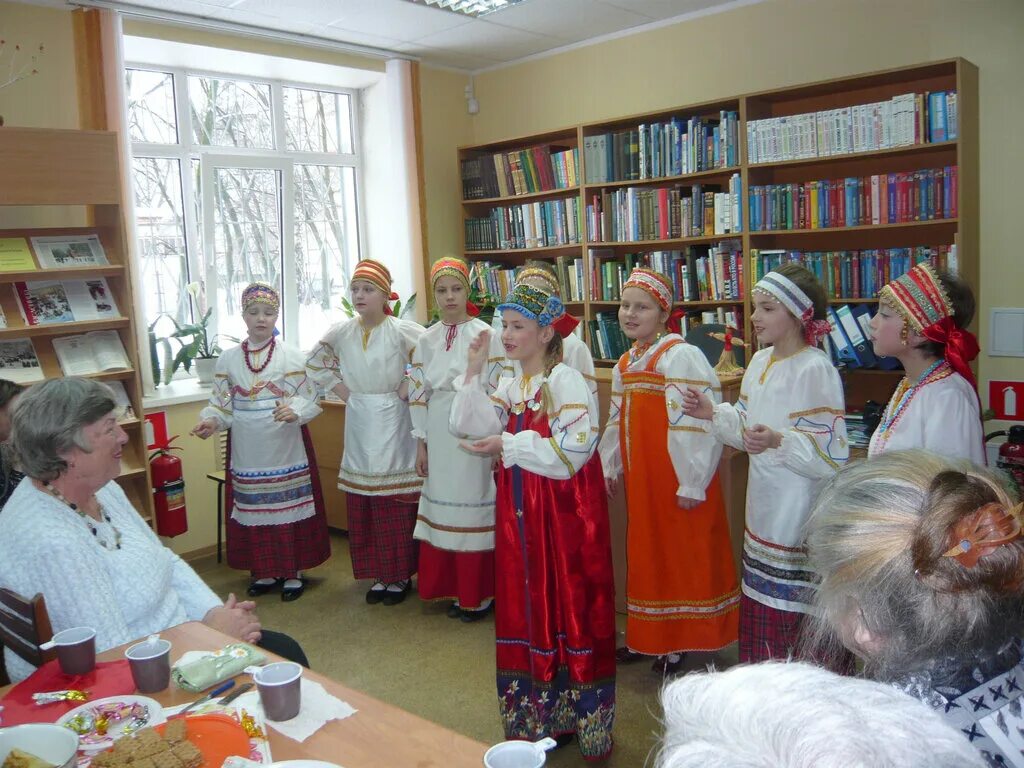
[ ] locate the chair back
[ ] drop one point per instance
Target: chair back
(24, 626)
(220, 449)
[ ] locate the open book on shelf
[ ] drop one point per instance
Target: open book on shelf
(18, 361)
(122, 403)
(69, 251)
(89, 353)
(46, 302)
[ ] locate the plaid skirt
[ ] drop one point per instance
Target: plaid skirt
(279, 551)
(767, 633)
(380, 536)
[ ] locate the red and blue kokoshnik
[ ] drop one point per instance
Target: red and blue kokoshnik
(541, 306)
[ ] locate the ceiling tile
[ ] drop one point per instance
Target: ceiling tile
(393, 18)
(308, 11)
(666, 9)
(569, 20)
(263, 21)
(481, 38)
(208, 8)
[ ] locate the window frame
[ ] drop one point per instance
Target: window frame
(278, 158)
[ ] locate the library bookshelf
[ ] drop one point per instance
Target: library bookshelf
(77, 172)
(591, 186)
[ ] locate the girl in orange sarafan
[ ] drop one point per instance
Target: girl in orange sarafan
(681, 585)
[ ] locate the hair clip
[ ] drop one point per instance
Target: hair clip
(984, 530)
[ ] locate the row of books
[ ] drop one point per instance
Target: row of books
(701, 273)
(503, 174)
(663, 213)
(81, 355)
(849, 340)
(893, 198)
(47, 302)
(529, 225)
(856, 274)
(903, 120)
(52, 252)
(667, 148)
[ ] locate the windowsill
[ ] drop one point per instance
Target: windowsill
(177, 392)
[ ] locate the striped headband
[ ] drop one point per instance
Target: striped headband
(376, 274)
(788, 294)
(541, 306)
(657, 285)
(261, 293)
(919, 297)
(450, 266)
(542, 275)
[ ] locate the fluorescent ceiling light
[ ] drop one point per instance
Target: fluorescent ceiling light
(469, 7)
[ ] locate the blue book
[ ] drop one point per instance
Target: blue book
(844, 350)
(856, 336)
(937, 120)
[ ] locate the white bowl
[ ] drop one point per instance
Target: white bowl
(52, 743)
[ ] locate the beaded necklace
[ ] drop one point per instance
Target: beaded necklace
(639, 348)
(88, 520)
(905, 393)
(270, 354)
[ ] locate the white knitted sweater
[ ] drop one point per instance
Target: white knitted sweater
(124, 593)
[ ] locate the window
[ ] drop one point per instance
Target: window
(239, 180)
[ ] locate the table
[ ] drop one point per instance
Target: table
(377, 736)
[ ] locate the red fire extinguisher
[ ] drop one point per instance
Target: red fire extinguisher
(1011, 454)
(168, 490)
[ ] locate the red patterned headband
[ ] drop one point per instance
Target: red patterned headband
(375, 273)
(655, 284)
(919, 297)
(450, 267)
(261, 293)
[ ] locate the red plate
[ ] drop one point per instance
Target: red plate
(216, 736)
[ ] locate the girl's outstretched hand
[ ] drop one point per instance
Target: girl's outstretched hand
(204, 428)
(697, 404)
(478, 351)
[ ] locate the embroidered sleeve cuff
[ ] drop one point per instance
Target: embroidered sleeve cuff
(718, 424)
(419, 434)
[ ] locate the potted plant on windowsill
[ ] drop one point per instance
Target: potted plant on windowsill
(197, 344)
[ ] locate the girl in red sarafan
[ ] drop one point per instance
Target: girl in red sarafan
(554, 596)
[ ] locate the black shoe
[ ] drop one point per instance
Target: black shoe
(255, 590)
(394, 597)
(564, 740)
(625, 655)
(288, 594)
(667, 668)
(471, 616)
(374, 596)
(454, 612)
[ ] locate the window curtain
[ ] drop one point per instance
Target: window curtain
(408, 237)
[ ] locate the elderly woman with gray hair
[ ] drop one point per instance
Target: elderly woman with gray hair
(921, 561)
(69, 532)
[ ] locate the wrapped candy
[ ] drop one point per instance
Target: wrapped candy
(252, 730)
(53, 696)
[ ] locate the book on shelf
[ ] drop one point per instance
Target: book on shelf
(123, 409)
(698, 273)
(849, 340)
(46, 302)
(15, 255)
(69, 251)
(893, 198)
(673, 147)
(541, 168)
(902, 121)
(89, 353)
(529, 225)
(664, 213)
(18, 361)
(857, 274)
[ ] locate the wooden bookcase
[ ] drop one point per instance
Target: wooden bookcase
(953, 74)
(76, 170)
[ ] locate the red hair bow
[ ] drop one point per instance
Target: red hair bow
(961, 346)
(675, 321)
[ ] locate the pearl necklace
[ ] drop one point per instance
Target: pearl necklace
(905, 393)
(88, 520)
(270, 354)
